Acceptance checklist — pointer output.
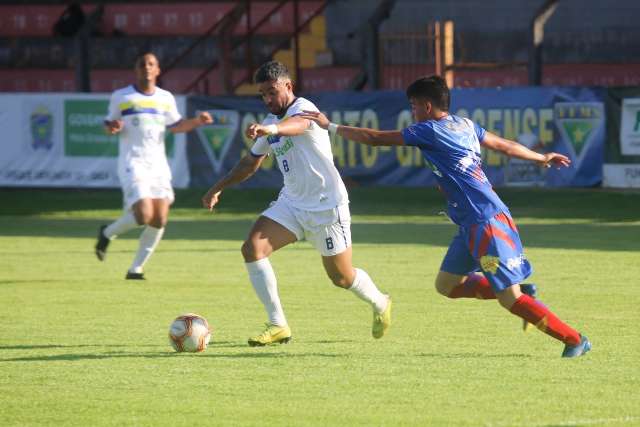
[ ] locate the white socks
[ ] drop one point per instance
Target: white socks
(149, 239)
(265, 284)
(123, 224)
(366, 290)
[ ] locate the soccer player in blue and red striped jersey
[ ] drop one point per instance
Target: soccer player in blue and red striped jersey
(488, 239)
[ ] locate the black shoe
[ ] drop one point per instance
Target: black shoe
(529, 289)
(134, 276)
(102, 244)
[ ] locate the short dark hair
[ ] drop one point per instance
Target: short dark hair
(144, 53)
(270, 71)
(432, 88)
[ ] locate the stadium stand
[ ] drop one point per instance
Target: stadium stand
(38, 49)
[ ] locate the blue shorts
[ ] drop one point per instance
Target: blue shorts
(492, 246)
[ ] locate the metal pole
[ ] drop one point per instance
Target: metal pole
(296, 46)
(82, 46)
(437, 41)
(537, 38)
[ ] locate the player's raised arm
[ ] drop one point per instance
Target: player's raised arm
(244, 169)
(362, 135)
(513, 149)
(291, 127)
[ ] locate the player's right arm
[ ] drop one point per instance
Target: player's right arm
(244, 169)
(362, 135)
(113, 122)
(112, 127)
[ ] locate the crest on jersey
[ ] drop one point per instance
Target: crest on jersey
(41, 124)
(578, 123)
(216, 138)
(490, 264)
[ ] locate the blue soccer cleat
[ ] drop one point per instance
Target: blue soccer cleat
(531, 290)
(577, 350)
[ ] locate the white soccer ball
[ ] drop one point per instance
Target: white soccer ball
(189, 333)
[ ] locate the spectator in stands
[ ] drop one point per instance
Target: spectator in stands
(70, 22)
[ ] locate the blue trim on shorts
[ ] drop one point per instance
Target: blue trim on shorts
(344, 235)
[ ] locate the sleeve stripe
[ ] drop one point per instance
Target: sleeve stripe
(256, 155)
(175, 124)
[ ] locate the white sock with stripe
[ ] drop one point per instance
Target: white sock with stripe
(149, 240)
(265, 284)
(123, 224)
(366, 290)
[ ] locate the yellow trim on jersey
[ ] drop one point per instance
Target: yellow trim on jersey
(144, 103)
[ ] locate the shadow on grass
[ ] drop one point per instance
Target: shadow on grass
(588, 236)
(473, 355)
(255, 354)
(46, 346)
(593, 204)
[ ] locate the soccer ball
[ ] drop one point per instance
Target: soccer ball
(189, 333)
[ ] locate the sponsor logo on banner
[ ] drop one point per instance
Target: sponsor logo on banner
(579, 124)
(217, 137)
(41, 121)
(621, 175)
(630, 127)
(84, 134)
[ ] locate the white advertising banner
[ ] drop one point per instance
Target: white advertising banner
(621, 175)
(58, 140)
(630, 127)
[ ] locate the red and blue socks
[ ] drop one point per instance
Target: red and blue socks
(539, 315)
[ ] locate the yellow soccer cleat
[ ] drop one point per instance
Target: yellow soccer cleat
(381, 321)
(272, 335)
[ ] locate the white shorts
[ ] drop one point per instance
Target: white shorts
(148, 188)
(329, 231)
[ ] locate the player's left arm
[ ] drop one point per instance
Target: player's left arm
(291, 127)
(187, 125)
(362, 135)
(513, 149)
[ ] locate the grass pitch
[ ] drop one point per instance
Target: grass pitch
(80, 346)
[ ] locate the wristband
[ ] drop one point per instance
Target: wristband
(272, 129)
(332, 128)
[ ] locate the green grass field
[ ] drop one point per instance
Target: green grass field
(81, 346)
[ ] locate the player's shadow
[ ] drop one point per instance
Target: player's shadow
(214, 351)
(210, 353)
(474, 355)
(48, 346)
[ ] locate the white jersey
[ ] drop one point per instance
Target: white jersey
(146, 117)
(311, 180)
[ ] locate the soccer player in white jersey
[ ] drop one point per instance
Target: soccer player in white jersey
(140, 114)
(312, 205)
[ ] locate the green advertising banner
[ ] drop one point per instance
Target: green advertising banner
(84, 134)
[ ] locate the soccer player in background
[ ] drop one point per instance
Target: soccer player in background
(313, 204)
(140, 113)
(488, 238)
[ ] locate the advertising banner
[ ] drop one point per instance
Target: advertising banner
(621, 175)
(630, 127)
(566, 120)
(58, 140)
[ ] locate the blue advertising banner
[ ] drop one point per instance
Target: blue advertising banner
(566, 120)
